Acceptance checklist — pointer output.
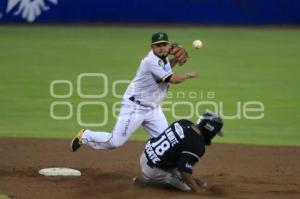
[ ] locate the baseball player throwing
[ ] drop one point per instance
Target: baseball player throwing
(169, 158)
(142, 100)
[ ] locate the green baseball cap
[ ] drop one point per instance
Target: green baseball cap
(160, 37)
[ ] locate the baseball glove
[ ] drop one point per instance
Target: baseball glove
(179, 53)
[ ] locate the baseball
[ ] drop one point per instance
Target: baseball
(197, 44)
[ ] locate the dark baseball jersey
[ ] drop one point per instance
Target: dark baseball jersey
(179, 146)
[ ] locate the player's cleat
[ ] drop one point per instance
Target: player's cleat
(77, 141)
(139, 181)
(201, 183)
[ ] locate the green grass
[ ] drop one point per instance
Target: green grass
(3, 196)
(237, 64)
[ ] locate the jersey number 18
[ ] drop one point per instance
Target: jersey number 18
(161, 145)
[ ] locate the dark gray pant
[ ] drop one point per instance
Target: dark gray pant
(158, 176)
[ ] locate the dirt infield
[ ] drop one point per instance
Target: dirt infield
(232, 171)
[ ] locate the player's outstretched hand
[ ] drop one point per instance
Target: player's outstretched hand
(191, 74)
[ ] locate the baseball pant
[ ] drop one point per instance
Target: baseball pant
(131, 117)
(154, 175)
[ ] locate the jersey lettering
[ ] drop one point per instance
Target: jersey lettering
(151, 154)
(171, 136)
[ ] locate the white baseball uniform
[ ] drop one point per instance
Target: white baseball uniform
(140, 105)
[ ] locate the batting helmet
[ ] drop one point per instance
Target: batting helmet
(210, 124)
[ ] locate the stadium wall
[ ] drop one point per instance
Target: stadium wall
(227, 12)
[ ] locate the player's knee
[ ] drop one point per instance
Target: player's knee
(117, 143)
